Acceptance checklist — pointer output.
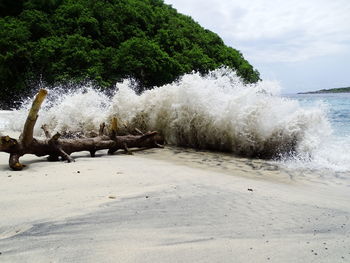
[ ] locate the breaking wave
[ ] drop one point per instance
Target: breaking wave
(216, 111)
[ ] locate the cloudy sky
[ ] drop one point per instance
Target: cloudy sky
(303, 44)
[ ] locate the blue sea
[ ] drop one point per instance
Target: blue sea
(334, 151)
(338, 111)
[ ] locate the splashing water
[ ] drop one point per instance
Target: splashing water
(217, 111)
(332, 152)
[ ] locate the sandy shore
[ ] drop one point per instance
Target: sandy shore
(171, 205)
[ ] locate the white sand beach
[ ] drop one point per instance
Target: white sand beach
(170, 205)
(176, 204)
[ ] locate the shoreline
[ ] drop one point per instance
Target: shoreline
(170, 205)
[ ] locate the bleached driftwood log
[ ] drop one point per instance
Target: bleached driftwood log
(56, 147)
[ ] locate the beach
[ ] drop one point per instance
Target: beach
(170, 205)
(174, 131)
(183, 204)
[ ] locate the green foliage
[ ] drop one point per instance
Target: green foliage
(10, 7)
(105, 41)
(14, 55)
(144, 60)
(336, 90)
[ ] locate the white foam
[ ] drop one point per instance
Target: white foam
(217, 111)
(4, 119)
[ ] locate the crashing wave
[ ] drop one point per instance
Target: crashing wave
(216, 111)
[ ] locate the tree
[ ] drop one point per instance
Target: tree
(144, 60)
(105, 41)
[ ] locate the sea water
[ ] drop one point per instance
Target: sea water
(217, 112)
(4, 119)
(333, 152)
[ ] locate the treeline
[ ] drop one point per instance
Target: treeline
(104, 41)
(335, 90)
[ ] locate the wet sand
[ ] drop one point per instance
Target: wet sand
(171, 205)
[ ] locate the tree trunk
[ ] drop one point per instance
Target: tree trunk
(56, 147)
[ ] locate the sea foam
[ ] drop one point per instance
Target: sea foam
(216, 111)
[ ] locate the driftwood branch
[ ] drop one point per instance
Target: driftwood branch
(27, 134)
(113, 127)
(57, 148)
(46, 131)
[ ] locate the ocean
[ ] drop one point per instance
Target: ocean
(216, 112)
(333, 152)
(338, 109)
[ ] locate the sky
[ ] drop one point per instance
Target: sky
(302, 44)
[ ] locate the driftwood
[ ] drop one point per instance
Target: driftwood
(60, 148)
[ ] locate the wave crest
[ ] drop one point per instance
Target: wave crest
(217, 111)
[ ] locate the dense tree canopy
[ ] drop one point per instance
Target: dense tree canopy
(105, 41)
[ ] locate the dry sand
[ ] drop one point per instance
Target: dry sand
(171, 205)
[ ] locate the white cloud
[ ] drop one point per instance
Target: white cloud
(275, 30)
